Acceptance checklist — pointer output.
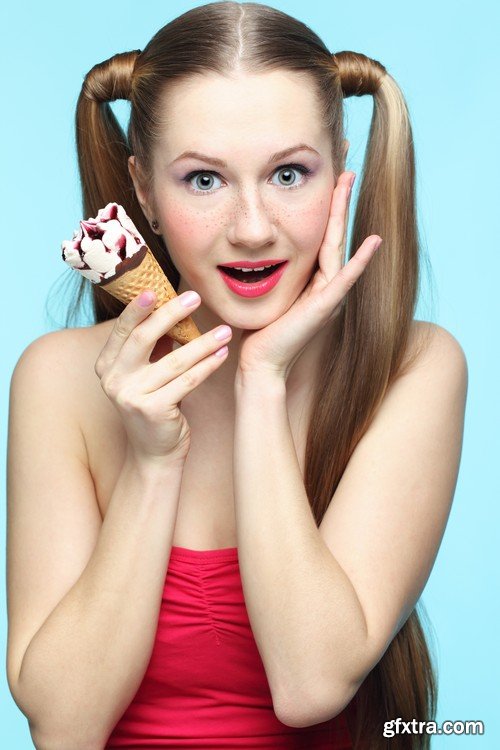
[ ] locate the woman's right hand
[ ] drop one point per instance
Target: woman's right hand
(147, 395)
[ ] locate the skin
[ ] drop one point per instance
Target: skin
(248, 210)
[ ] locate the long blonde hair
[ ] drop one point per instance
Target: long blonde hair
(359, 365)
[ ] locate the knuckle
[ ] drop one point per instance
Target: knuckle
(126, 400)
(138, 336)
(188, 379)
(120, 327)
(150, 411)
(174, 413)
(174, 362)
(346, 279)
(109, 384)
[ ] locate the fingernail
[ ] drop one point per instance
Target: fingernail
(222, 333)
(353, 178)
(146, 299)
(189, 298)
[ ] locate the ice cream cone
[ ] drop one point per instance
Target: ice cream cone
(142, 271)
(110, 252)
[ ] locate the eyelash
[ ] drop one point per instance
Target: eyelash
(299, 167)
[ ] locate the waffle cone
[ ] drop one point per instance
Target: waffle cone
(149, 275)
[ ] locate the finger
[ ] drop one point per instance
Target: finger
(333, 294)
(180, 366)
(176, 390)
(331, 254)
(342, 249)
(138, 347)
(136, 311)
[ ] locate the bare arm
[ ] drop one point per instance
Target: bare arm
(326, 603)
(85, 664)
(84, 594)
(302, 606)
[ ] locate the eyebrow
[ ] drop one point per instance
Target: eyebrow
(219, 163)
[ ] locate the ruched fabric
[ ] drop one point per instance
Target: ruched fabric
(205, 686)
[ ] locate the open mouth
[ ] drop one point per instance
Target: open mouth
(250, 276)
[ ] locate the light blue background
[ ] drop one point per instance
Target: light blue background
(444, 55)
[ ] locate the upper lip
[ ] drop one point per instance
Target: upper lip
(253, 263)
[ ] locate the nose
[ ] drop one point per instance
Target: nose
(252, 225)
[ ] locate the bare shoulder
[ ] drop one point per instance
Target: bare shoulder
(61, 366)
(432, 347)
(67, 353)
(441, 341)
(63, 349)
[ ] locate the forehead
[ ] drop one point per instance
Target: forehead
(223, 113)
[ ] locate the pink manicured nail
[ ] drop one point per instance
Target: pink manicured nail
(222, 333)
(146, 299)
(189, 298)
(352, 179)
(221, 352)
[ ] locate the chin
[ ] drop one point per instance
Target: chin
(253, 321)
(249, 324)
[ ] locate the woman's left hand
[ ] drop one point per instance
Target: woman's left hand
(272, 350)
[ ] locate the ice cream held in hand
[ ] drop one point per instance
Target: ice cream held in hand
(102, 244)
(110, 252)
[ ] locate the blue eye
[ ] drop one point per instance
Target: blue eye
(286, 169)
(289, 169)
(207, 176)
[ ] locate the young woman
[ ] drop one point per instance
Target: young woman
(223, 544)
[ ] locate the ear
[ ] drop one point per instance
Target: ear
(140, 191)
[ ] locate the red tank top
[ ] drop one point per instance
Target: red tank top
(205, 685)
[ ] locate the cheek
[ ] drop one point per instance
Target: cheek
(306, 226)
(182, 226)
(313, 223)
(190, 235)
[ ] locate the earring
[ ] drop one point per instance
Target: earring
(155, 224)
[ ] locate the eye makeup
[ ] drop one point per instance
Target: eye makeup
(305, 171)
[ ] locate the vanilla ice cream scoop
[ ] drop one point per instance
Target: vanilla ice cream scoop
(102, 243)
(110, 252)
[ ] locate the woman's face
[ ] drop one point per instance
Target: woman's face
(250, 208)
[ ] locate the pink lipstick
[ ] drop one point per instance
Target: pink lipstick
(253, 263)
(259, 282)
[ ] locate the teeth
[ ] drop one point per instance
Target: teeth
(247, 270)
